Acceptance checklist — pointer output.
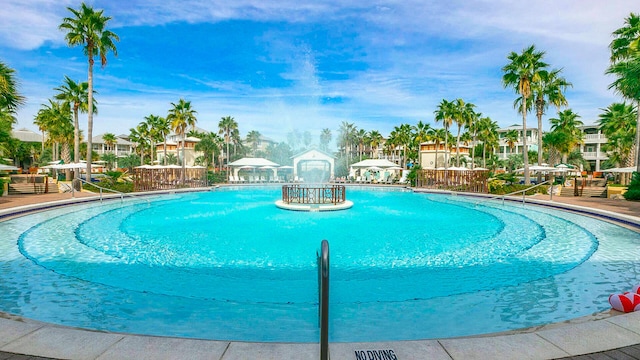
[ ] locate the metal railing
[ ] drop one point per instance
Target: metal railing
(524, 192)
(122, 195)
(323, 295)
(300, 194)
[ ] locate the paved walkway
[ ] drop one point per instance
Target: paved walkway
(586, 338)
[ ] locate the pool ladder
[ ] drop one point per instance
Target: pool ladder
(323, 294)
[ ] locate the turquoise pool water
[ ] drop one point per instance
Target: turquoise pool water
(229, 265)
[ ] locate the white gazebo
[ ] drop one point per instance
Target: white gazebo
(255, 163)
(314, 159)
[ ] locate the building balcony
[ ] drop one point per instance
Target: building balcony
(594, 155)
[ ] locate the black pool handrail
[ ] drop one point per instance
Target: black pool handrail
(323, 294)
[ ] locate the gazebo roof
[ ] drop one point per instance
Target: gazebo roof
(381, 163)
(247, 161)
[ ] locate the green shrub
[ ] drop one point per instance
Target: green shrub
(494, 188)
(216, 177)
(633, 192)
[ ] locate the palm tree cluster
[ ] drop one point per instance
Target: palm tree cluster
(10, 101)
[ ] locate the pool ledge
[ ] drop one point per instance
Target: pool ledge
(28, 337)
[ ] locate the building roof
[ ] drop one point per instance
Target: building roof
(98, 139)
(26, 135)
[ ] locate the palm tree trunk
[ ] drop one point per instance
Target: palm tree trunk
(525, 151)
(165, 151)
(473, 151)
(90, 116)
(76, 135)
(458, 147)
(539, 115)
(184, 160)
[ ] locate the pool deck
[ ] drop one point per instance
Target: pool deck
(607, 335)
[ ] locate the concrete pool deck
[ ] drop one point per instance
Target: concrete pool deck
(604, 335)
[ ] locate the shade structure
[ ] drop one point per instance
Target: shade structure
(629, 169)
(4, 167)
(381, 163)
(256, 162)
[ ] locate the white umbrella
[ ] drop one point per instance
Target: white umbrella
(629, 169)
(480, 169)
(285, 167)
(374, 168)
(4, 167)
(267, 167)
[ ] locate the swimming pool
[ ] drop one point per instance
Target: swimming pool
(229, 265)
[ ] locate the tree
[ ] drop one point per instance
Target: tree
(87, 28)
(625, 65)
(511, 137)
(618, 124)
(549, 89)
(10, 100)
(488, 134)
(361, 140)
(254, 138)
(182, 116)
(567, 123)
(375, 139)
(522, 70)
(226, 127)
(438, 136)
(446, 112)
(140, 136)
(346, 136)
(209, 145)
(57, 119)
(325, 139)
(464, 114)
(402, 137)
(76, 94)
(110, 140)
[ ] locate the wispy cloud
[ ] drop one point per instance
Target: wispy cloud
(276, 66)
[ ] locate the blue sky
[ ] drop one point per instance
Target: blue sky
(276, 66)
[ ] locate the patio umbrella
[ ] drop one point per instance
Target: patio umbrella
(629, 169)
(4, 167)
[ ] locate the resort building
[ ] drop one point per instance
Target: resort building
(504, 150)
(122, 148)
(591, 148)
(174, 149)
(35, 142)
(432, 156)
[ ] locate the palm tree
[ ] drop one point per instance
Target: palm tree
(511, 137)
(625, 65)
(254, 137)
(402, 136)
(375, 139)
(567, 123)
(227, 126)
(140, 136)
(464, 117)
(438, 136)
(182, 116)
(488, 134)
(87, 28)
(76, 94)
(156, 134)
(446, 112)
(346, 138)
(325, 139)
(618, 124)
(163, 129)
(550, 89)
(110, 140)
(361, 139)
(10, 99)
(209, 146)
(56, 118)
(521, 71)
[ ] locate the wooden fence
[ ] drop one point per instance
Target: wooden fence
(146, 179)
(456, 180)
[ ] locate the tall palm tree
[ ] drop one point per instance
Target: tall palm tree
(464, 116)
(154, 123)
(438, 136)
(110, 140)
(625, 65)
(522, 70)
(446, 112)
(140, 136)
(162, 127)
(10, 99)
(402, 136)
(548, 90)
(56, 118)
(209, 146)
(325, 139)
(182, 116)
(226, 127)
(488, 134)
(76, 94)
(254, 137)
(346, 136)
(361, 140)
(511, 137)
(87, 28)
(375, 139)
(567, 123)
(618, 124)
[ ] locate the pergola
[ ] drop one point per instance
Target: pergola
(254, 163)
